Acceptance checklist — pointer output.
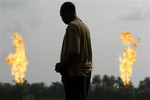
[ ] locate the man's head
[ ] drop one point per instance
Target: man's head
(67, 12)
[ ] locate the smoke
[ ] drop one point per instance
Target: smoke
(19, 15)
(140, 13)
(12, 4)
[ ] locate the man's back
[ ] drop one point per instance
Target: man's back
(78, 40)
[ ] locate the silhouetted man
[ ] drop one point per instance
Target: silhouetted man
(76, 55)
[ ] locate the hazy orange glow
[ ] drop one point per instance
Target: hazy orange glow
(128, 57)
(18, 60)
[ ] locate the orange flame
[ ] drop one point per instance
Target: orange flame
(18, 60)
(129, 57)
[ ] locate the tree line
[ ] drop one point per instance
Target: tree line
(102, 88)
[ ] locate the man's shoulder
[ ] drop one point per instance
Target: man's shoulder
(76, 23)
(73, 25)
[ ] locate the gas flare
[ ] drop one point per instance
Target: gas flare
(128, 57)
(18, 60)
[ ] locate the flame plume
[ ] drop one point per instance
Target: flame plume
(128, 58)
(18, 60)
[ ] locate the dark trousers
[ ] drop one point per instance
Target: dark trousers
(76, 87)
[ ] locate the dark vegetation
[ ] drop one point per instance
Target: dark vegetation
(102, 88)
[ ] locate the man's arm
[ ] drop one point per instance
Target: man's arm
(73, 48)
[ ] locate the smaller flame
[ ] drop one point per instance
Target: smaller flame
(126, 37)
(18, 60)
(128, 58)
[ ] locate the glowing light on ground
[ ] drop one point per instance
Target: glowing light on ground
(18, 59)
(128, 57)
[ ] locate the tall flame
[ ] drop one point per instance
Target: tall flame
(128, 57)
(18, 60)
